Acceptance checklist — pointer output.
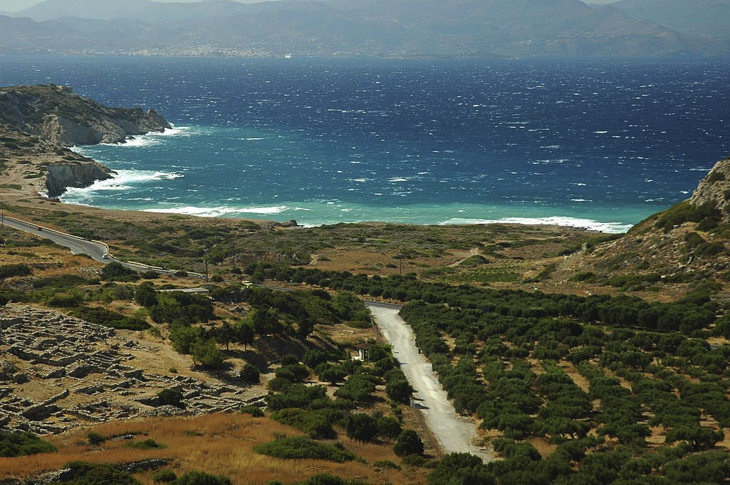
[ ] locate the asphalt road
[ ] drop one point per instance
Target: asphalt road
(77, 245)
(454, 433)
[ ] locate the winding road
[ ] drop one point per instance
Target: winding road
(454, 433)
(98, 251)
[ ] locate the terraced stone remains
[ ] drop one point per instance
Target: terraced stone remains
(57, 372)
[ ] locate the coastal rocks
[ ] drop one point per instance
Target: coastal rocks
(60, 176)
(77, 373)
(65, 132)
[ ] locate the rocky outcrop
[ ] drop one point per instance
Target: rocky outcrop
(56, 114)
(715, 189)
(60, 176)
(46, 119)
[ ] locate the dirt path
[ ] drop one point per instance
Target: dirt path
(454, 433)
(472, 252)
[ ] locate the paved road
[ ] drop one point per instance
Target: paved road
(77, 245)
(455, 433)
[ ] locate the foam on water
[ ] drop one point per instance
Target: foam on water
(122, 180)
(220, 211)
(608, 227)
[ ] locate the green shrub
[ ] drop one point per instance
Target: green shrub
(202, 478)
(147, 444)
(301, 448)
(64, 301)
(170, 397)
(461, 468)
(326, 479)
(709, 249)
(317, 424)
(254, 411)
(389, 428)
(361, 427)
(686, 212)
(10, 270)
(707, 224)
(95, 474)
(164, 476)
(23, 444)
(250, 373)
(116, 272)
(206, 352)
(399, 390)
(63, 281)
(408, 443)
(95, 439)
(386, 465)
(107, 318)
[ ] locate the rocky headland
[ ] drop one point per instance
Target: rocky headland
(39, 123)
(57, 115)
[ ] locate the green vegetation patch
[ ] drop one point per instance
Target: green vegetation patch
(23, 444)
(107, 318)
(298, 448)
(11, 270)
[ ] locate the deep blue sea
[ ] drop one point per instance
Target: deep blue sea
(591, 143)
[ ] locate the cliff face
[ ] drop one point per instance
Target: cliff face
(60, 176)
(42, 120)
(57, 115)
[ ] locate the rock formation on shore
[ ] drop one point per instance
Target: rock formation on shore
(60, 176)
(43, 120)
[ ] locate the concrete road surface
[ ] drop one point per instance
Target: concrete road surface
(454, 433)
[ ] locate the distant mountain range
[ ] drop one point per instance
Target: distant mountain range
(384, 28)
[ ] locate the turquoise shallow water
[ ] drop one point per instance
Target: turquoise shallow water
(598, 144)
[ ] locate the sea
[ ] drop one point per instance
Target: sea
(598, 144)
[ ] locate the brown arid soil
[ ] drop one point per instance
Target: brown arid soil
(220, 444)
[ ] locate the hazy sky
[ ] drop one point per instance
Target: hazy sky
(14, 5)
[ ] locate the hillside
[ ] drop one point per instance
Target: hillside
(702, 18)
(383, 28)
(683, 247)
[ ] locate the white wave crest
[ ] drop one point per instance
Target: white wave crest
(608, 227)
(122, 180)
(219, 211)
(153, 138)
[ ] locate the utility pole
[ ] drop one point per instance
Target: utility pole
(400, 262)
(206, 267)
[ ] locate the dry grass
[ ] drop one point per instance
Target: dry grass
(221, 444)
